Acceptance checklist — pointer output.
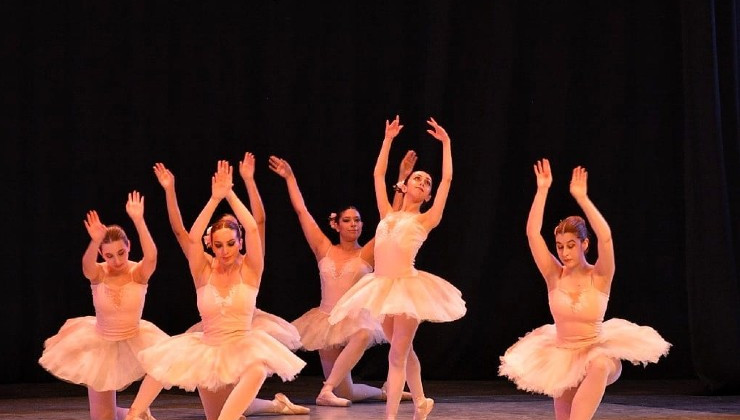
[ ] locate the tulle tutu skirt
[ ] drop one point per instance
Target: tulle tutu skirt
(186, 361)
(538, 363)
(317, 333)
(423, 296)
(80, 355)
(280, 329)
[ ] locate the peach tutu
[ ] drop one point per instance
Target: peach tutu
(280, 329)
(419, 295)
(539, 363)
(80, 355)
(317, 333)
(187, 362)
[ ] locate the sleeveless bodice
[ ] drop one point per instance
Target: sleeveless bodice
(118, 309)
(334, 283)
(578, 317)
(398, 238)
(227, 316)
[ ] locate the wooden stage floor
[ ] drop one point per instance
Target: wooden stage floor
(455, 400)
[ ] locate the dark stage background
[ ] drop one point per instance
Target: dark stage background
(643, 94)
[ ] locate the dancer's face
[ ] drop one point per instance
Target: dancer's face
(349, 225)
(115, 254)
(419, 186)
(226, 245)
(571, 250)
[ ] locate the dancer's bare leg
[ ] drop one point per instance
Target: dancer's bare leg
(402, 331)
(563, 403)
(213, 401)
(244, 392)
(148, 391)
(600, 372)
(342, 369)
(102, 405)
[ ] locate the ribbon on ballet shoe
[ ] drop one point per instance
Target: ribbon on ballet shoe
(285, 406)
(327, 398)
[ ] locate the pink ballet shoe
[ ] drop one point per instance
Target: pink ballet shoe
(405, 395)
(422, 410)
(328, 398)
(285, 406)
(146, 415)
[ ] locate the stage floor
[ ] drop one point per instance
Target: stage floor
(455, 400)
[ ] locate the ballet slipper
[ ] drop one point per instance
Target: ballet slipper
(422, 410)
(327, 397)
(285, 406)
(146, 415)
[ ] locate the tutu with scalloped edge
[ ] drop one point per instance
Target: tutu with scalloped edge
(317, 333)
(80, 355)
(421, 295)
(187, 362)
(538, 363)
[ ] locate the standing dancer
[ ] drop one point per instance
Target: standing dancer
(342, 345)
(576, 358)
(228, 352)
(100, 351)
(397, 293)
(277, 327)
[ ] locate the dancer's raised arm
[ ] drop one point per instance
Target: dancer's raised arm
(167, 181)
(431, 218)
(546, 262)
(317, 240)
(96, 229)
(252, 239)
(135, 210)
(246, 170)
(392, 128)
(221, 184)
(604, 267)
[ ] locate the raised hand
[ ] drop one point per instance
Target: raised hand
(164, 176)
(280, 167)
(579, 183)
(543, 173)
(95, 228)
(135, 206)
(222, 181)
(438, 132)
(392, 128)
(246, 166)
(407, 165)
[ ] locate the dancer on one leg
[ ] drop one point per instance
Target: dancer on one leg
(396, 292)
(277, 327)
(228, 352)
(340, 346)
(100, 351)
(576, 358)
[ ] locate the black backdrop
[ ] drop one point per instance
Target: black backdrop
(643, 94)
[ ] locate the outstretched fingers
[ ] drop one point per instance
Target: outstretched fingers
(280, 166)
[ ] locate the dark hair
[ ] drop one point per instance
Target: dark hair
(115, 233)
(334, 216)
(575, 225)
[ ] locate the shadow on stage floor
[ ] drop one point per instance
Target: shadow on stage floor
(469, 400)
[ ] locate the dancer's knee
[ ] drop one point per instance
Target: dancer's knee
(603, 366)
(397, 357)
(362, 337)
